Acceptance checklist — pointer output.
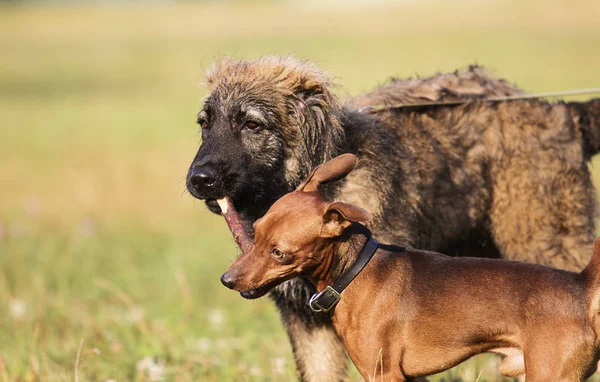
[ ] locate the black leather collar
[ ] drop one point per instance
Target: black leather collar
(325, 300)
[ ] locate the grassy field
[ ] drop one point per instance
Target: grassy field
(99, 241)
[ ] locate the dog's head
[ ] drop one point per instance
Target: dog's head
(265, 125)
(290, 238)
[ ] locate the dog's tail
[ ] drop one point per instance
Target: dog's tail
(586, 116)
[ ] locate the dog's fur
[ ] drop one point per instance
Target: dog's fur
(506, 179)
(413, 313)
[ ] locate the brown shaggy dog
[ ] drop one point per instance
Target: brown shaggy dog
(506, 179)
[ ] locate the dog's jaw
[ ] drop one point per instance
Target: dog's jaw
(213, 206)
(252, 294)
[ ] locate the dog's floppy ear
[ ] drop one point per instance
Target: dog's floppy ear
(335, 169)
(338, 216)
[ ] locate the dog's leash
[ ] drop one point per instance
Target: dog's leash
(564, 93)
(325, 300)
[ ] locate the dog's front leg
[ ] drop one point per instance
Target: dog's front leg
(319, 352)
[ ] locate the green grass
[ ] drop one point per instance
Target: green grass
(98, 240)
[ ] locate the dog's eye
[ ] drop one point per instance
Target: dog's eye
(203, 122)
(202, 119)
(277, 254)
(253, 126)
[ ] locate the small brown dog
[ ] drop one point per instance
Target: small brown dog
(407, 313)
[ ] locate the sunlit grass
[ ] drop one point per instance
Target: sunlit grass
(99, 241)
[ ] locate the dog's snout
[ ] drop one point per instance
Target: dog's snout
(227, 280)
(203, 178)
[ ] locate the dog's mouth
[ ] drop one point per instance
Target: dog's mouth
(227, 188)
(251, 294)
(213, 206)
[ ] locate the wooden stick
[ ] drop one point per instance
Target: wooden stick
(235, 224)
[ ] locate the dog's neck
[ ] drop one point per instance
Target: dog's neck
(339, 255)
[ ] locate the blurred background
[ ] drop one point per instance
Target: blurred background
(101, 248)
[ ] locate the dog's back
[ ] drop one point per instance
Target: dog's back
(473, 83)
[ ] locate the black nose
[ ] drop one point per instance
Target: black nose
(203, 178)
(227, 281)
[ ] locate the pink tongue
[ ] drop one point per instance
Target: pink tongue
(235, 224)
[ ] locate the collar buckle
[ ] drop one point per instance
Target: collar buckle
(325, 300)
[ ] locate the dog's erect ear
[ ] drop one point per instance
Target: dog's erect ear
(335, 169)
(596, 247)
(340, 216)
